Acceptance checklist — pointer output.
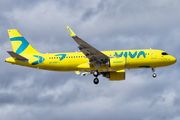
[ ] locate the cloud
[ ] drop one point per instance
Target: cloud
(27, 93)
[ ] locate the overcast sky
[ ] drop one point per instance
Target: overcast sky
(31, 94)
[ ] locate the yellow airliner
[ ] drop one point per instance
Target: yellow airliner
(109, 64)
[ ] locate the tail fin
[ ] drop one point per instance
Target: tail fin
(19, 44)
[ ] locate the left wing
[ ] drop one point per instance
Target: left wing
(95, 57)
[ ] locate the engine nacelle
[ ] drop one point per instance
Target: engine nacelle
(116, 63)
(115, 75)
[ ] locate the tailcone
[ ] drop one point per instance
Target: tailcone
(10, 60)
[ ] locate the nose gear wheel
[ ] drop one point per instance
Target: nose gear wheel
(154, 74)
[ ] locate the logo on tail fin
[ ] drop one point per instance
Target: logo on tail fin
(23, 46)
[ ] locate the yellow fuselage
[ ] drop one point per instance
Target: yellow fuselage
(76, 61)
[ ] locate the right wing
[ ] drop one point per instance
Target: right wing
(95, 57)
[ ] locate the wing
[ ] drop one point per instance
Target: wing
(95, 57)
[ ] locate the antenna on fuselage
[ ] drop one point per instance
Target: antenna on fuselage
(77, 51)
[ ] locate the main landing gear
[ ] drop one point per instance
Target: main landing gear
(96, 80)
(154, 74)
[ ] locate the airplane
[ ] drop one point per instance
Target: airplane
(89, 60)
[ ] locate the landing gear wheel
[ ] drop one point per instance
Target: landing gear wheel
(96, 73)
(96, 81)
(154, 75)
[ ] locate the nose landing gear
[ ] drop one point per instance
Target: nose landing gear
(154, 74)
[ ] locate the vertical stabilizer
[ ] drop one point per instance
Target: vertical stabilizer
(19, 44)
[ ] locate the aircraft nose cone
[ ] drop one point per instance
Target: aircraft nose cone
(174, 60)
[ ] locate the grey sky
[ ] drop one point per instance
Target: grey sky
(27, 93)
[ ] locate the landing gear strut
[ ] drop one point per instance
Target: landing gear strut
(154, 74)
(96, 80)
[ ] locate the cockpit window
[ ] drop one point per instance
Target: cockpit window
(164, 53)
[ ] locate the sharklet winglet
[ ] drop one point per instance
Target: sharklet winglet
(72, 34)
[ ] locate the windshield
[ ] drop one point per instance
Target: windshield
(164, 53)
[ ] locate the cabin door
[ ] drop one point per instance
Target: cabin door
(153, 54)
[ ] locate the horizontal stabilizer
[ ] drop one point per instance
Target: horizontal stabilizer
(17, 56)
(77, 72)
(83, 74)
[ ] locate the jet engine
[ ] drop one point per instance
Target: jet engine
(115, 75)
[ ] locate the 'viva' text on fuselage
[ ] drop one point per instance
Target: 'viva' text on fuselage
(136, 54)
